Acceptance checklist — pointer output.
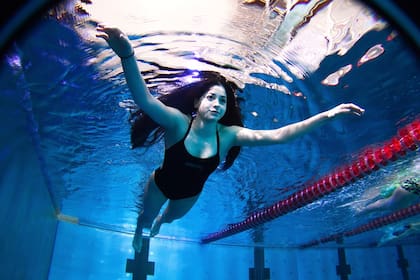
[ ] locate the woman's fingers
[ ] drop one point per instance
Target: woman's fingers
(347, 108)
(355, 109)
(116, 39)
(350, 107)
(102, 32)
(107, 30)
(103, 36)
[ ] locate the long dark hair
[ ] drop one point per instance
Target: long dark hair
(146, 132)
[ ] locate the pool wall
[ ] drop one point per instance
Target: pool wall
(28, 222)
(90, 253)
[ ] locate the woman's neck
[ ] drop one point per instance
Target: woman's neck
(203, 128)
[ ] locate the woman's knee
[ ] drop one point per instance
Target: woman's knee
(169, 217)
(178, 209)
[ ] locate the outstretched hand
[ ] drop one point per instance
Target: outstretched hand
(348, 108)
(116, 39)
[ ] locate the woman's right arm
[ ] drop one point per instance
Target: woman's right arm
(155, 109)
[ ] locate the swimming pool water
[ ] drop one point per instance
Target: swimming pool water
(65, 150)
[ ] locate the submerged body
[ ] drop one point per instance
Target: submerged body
(197, 136)
(398, 195)
(399, 191)
(399, 232)
(187, 172)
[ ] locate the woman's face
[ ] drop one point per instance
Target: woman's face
(213, 103)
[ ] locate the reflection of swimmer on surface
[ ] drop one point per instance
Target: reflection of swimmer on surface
(400, 193)
(400, 232)
(276, 7)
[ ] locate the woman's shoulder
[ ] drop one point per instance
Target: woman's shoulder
(228, 133)
(178, 130)
(228, 129)
(181, 121)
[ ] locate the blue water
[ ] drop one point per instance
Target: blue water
(63, 120)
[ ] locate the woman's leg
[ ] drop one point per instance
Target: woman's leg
(153, 200)
(176, 209)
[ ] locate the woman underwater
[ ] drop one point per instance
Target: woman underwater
(199, 133)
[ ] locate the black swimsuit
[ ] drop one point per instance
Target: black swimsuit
(183, 175)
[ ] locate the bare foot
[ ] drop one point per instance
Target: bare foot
(156, 226)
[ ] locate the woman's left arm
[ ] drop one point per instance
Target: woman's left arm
(250, 137)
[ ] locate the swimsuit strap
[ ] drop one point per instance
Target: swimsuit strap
(188, 131)
(189, 128)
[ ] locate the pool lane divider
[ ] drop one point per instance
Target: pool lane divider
(372, 159)
(374, 224)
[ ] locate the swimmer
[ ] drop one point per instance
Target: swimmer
(401, 192)
(201, 126)
(396, 196)
(400, 232)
